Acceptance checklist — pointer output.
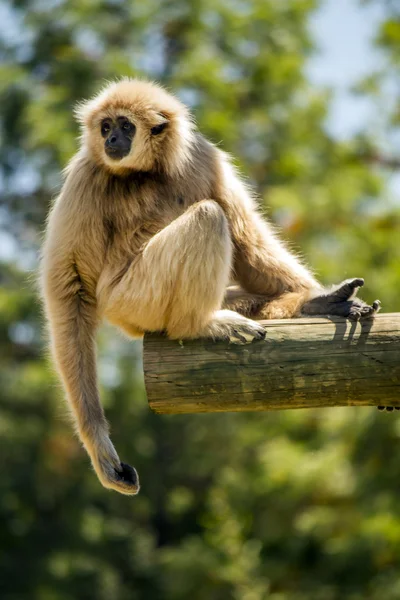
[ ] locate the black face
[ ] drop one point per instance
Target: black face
(118, 136)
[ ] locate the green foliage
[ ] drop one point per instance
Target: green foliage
(291, 506)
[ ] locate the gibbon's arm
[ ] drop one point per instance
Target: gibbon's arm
(71, 311)
(262, 264)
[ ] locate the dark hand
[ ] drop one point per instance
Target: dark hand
(341, 301)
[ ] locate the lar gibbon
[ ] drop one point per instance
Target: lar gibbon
(151, 224)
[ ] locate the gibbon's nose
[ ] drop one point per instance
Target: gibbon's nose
(115, 141)
(117, 145)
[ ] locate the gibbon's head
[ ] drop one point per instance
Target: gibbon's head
(134, 125)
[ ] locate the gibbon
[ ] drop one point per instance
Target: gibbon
(151, 225)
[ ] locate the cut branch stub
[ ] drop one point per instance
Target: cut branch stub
(317, 362)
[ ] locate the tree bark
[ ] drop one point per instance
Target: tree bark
(302, 363)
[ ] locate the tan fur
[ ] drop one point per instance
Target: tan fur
(151, 242)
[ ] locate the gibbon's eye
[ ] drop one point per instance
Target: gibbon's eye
(105, 128)
(158, 128)
(127, 126)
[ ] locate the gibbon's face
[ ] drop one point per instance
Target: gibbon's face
(118, 135)
(136, 126)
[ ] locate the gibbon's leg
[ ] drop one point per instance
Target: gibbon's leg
(340, 301)
(258, 306)
(178, 282)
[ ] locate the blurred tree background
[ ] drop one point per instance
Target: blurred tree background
(300, 505)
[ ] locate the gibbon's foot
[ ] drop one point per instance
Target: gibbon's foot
(229, 326)
(389, 408)
(341, 301)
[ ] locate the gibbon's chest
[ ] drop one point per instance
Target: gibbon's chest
(132, 219)
(137, 208)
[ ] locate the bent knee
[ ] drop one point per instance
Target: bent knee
(210, 213)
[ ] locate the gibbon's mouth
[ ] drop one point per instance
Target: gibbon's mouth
(117, 153)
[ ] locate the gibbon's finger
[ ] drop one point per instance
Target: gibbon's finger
(124, 480)
(354, 314)
(347, 289)
(128, 475)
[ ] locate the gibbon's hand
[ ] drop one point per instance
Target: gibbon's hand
(113, 474)
(341, 301)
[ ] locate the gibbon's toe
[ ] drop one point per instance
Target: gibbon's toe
(246, 332)
(368, 312)
(354, 314)
(359, 310)
(357, 282)
(347, 289)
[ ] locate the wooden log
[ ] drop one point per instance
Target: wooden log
(317, 362)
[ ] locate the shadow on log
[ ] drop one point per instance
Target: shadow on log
(302, 363)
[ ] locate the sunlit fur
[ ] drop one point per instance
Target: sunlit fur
(151, 243)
